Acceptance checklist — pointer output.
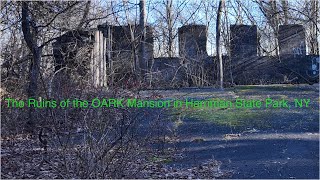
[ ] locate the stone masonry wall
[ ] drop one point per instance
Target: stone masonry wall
(113, 44)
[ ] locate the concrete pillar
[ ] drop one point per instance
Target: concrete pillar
(99, 63)
(292, 40)
(243, 41)
(94, 65)
(192, 41)
(103, 64)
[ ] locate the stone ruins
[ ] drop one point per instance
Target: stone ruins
(105, 52)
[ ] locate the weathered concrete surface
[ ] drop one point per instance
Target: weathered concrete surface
(192, 41)
(122, 45)
(243, 41)
(68, 45)
(195, 67)
(292, 40)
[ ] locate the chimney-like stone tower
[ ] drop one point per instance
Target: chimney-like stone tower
(243, 41)
(192, 41)
(291, 39)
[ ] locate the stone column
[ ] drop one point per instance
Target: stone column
(243, 52)
(243, 41)
(98, 63)
(292, 40)
(192, 41)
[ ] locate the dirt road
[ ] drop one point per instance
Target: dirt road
(253, 143)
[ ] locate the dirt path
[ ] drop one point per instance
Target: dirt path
(257, 143)
(263, 154)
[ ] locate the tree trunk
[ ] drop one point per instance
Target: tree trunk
(275, 23)
(170, 27)
(314, 49)
(285, 11)
(143, 58)
(30, 36)
(239, 19)
(269, 10)
(85, 15)
(218, 33)
(134, 49)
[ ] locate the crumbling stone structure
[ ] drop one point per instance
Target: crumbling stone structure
(292, 65)
(124, 42)
(185, 70)
(293, 58)
(243, 42)
(168, 71)
(291, 40)
(120, 45)
(244, 48)
(192, 41)
(111, 48)
(66, 47)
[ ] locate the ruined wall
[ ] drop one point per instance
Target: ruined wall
(67, 46)
(292, 65)
(193, 54)
(110, 52)
(243, 41)
(244, 48)
(293, 58)
(83, 54)
(122, 44)
(114, 48)
(291, 40)
(192, 41)
(72, 54)
(98, 64)
(167, 72)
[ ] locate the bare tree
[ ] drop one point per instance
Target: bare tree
(166, 14)
(284, 4)
(143, 60)
(218, 32)
(314, 45)
(270, 11)
(30, 33)
(85, 15)
(170, 23)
